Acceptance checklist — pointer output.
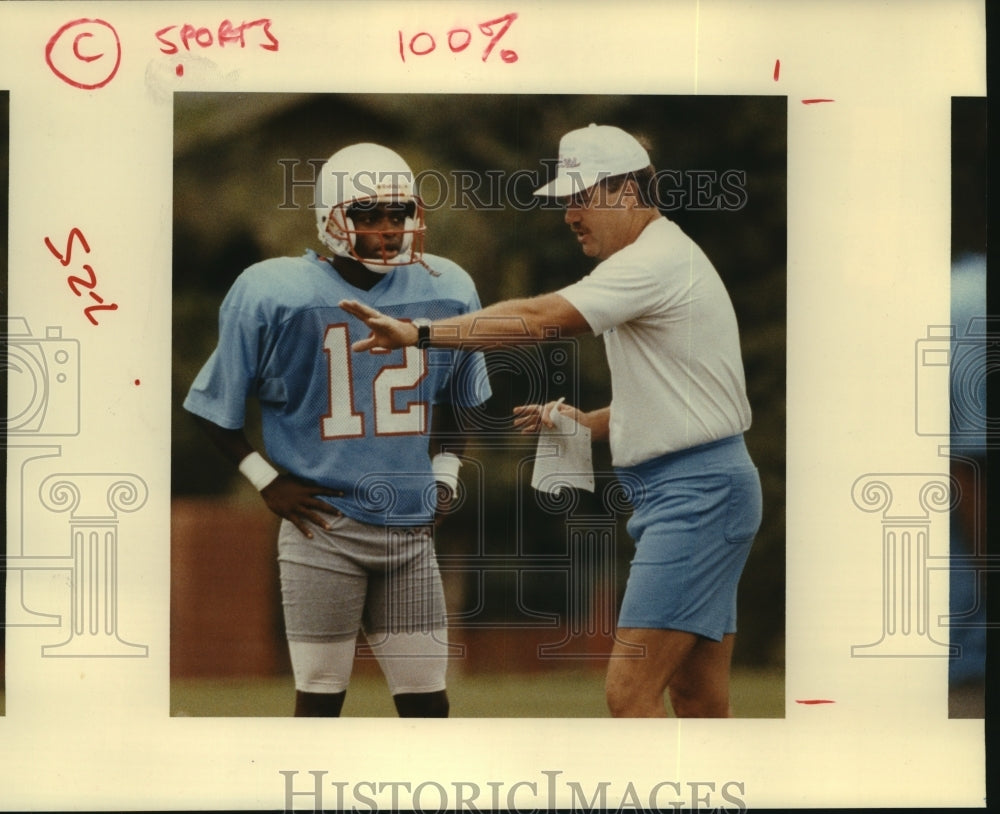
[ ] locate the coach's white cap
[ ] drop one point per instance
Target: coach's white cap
(589, 155)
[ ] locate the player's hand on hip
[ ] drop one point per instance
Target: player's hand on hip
(530, 418)
(445, 496)
(386, 333)
(298, 502)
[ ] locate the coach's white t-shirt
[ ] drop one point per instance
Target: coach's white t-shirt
(672, 342)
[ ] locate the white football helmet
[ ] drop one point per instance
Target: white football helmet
(368, 174)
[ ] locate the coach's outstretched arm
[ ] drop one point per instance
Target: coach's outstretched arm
(518, 320)
(289, 497)
(533, 318)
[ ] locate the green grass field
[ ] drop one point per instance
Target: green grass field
(563, 694)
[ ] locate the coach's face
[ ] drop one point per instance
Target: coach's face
(604, 221)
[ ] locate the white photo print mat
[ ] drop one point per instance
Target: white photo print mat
(154, 151)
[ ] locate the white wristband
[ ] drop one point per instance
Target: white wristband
(446, 466)
(258, 471)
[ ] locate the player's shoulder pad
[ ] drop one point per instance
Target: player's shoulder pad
(275, 279)
(275, 269)
(275, 265)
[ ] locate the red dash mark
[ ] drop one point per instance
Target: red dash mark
(814, 701)
(179, 70)
(777, 74)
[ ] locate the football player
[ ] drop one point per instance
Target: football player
(356, 457)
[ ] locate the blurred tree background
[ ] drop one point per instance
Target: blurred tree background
(236, 157)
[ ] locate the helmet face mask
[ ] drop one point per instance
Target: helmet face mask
(358, 185)
(379, 233)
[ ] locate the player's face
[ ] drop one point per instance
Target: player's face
(379, 229)
(601, 219)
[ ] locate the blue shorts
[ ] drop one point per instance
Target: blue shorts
(696, 513)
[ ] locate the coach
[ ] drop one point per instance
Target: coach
(676, 420)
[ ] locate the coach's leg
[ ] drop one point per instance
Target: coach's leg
(636, 684)
(700, 686)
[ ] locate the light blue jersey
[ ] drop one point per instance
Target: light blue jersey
(356, 422)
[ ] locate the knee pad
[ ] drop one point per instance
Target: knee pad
(412, 662)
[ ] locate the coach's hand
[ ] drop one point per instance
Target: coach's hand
(530, 418)
(297, 501)
(387, 333)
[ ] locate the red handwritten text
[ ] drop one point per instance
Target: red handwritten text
(187, 37)
(85, 284)
(85, 53)
(458, 39)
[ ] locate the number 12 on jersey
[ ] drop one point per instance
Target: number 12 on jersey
(343, 420)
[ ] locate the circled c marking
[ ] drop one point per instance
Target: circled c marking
(76, 49)
(90, 67)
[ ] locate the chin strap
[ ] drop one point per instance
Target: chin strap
(430, 271)
(383, 269)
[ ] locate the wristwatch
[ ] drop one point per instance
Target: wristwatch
(423, 332)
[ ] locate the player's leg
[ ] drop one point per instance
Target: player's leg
(700, 686)
(318, 704)
(322, 594)
(637, 679)
(322, 671)
(404, 621)
(422, 704)
(414, 665)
